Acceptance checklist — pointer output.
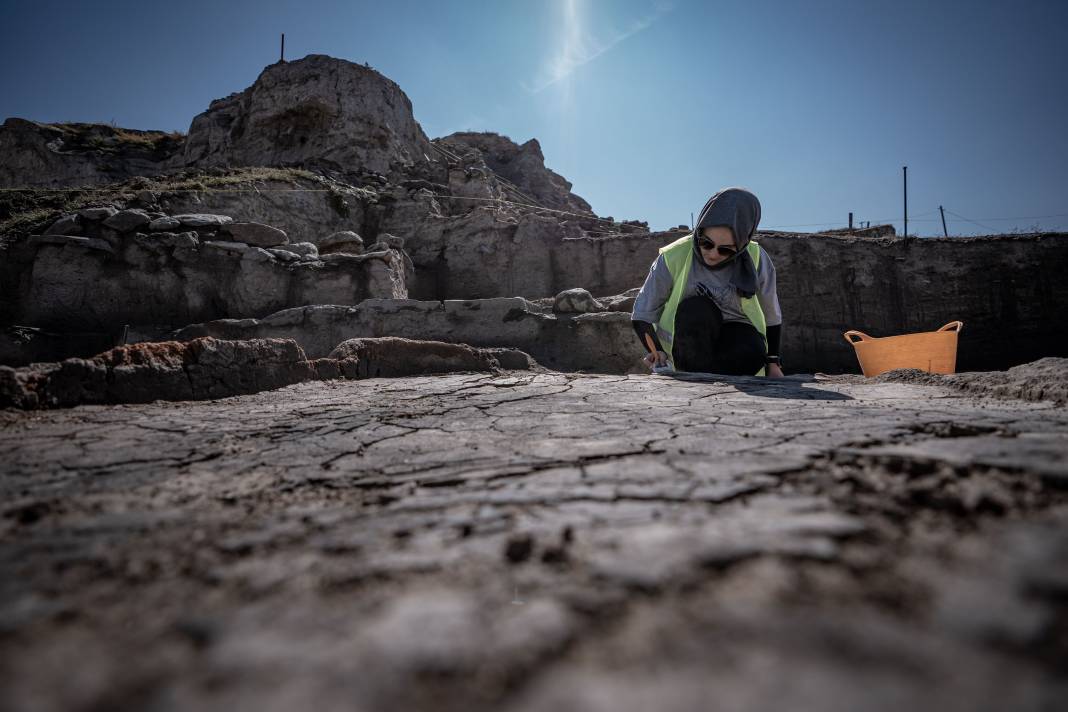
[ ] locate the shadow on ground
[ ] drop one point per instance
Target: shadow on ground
(790, 387)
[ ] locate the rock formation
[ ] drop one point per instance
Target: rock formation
(66, 155)
(317, 112)
(521, 166)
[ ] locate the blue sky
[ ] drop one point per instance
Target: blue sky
(647, 106)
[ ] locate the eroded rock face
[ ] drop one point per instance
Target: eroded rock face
(65, 155)
(316, 111)
(521, 165)
(306, 210)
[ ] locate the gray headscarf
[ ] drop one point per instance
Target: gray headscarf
(739, 210)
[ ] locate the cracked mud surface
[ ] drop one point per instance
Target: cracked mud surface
(538, 542)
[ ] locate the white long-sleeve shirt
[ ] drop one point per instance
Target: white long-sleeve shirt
(655, 292)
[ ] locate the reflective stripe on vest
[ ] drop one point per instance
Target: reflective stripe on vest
(678, 256)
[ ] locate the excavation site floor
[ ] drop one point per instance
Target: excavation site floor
(539, 542)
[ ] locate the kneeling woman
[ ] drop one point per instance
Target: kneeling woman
(709, 303)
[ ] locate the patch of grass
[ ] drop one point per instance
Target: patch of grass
(337, 201)
(109, 138)
(202, 181)
(148, 138)
(24, 212)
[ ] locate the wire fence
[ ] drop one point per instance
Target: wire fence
(536, 207)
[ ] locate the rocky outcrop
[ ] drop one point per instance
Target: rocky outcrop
(122, 270)
(576, 301)
(318, 111)
(598, 343)
(196, 370)
(391, 356)
(67, 155)
(523, 166)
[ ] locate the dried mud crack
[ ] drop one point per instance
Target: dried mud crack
(538, 542)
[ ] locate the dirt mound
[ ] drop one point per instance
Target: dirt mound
(1042, 380)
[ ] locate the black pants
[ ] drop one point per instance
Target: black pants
(706, 344)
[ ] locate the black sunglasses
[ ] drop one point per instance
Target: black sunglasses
(725, 250)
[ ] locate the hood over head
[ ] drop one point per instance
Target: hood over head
(738, 209)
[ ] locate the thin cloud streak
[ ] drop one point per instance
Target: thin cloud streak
(580, 49)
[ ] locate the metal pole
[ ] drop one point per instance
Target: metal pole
(944, 231)
(282, 58)
(905, 172)
(851, 223)
(691, 222)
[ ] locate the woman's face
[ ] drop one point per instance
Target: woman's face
(715, 237)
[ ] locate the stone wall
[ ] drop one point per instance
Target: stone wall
(597, 343)
(100, 269)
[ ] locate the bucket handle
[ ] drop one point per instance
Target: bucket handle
(861, 336)
(953, 326)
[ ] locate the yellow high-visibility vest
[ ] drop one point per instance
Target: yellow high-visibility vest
(678, 256)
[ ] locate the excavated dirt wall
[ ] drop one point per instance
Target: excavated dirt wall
(1005, 290)
(1008, 290)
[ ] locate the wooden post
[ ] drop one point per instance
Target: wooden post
(282, 57)
(851, 223)
(905, 173)
(944, 231)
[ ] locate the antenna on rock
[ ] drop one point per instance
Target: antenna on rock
(282, 58)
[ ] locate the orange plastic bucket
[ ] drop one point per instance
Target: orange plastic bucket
(931, 351)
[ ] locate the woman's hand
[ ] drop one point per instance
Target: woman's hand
(653, 361)
(774, 370)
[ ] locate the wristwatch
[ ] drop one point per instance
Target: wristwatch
(773, 359)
